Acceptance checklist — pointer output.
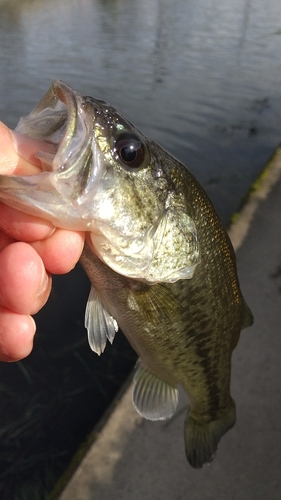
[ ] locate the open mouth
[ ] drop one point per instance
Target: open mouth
(56, 161)
(58, 123)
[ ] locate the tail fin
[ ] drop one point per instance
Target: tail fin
(201, 439)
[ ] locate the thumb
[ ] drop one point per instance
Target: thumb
(17, 152)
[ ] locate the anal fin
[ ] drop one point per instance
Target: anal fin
(154, 399)
(101, 326)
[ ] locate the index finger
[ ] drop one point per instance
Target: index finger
(24, 227)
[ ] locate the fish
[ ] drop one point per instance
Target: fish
(161, 264)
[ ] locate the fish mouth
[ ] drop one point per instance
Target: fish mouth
(64, 119)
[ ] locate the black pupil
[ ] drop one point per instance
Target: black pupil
(129, 153)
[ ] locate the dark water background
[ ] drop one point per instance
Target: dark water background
(202, 78)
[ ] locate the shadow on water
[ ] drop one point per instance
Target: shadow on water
(203, 80)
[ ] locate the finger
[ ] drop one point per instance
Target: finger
(17, 152)
(24, 283)
(8, 154)
(16, 335)
(61, 251)
(5, 240)
(22, 226)
(27, 148)
(9, 158)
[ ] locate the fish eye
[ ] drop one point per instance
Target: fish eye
(130, 150)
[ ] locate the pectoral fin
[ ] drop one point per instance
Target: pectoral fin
(155, 302)
(153, 398)
(101, 326)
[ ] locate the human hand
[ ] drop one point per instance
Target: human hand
(30, 249)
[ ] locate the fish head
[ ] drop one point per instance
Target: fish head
(108, 179)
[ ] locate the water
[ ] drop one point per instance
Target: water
(202, 78)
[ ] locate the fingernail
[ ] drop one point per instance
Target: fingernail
(44, 282)
(33, 323)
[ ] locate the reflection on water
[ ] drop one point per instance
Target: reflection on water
(203, 80)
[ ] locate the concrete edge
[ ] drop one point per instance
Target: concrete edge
(259, 191)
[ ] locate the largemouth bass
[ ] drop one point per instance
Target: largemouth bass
(160, 262)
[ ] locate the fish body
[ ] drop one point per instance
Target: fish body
(160, 262)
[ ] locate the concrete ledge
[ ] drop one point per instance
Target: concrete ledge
(132, 459)
(258, 192)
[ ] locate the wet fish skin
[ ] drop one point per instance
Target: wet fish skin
(160, 262)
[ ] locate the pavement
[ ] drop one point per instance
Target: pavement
(133, 459)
